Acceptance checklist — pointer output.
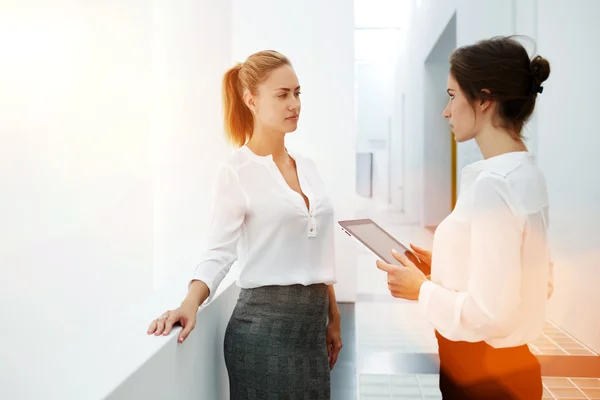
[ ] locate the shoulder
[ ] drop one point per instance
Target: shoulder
(236, 159)
(228, 168)
(522, 186)
(515, 191)
(231, 165)
(515, 173)
(491, 184)
(513, 166)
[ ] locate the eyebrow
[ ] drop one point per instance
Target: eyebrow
(287, 89)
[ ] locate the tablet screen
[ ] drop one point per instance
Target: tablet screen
(374, 238)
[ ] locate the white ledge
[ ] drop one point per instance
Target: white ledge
(124, 362)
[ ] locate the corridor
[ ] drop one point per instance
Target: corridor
(113, 129)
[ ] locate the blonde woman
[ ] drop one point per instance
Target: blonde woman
(271, 213)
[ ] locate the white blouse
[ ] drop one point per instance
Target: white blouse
(260, 221)
(491, 266)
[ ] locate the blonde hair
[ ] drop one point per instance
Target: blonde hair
(239, 121)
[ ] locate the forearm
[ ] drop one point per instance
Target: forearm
(334, 311)
(472, 313)
(197, 293)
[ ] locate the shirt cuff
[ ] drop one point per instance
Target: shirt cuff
(425, 293)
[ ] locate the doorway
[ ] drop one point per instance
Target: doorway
(439, 158)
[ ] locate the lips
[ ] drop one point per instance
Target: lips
(293, 117)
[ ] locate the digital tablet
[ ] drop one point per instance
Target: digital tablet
(376, 239)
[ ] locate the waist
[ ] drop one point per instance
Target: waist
(475, 346)
(480, 357)
(284, 301)
(255, 275)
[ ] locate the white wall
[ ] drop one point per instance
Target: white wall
(525, 23)
(318, 38)
(192, 51)
(76, 161)
(437, 154)
(568, 146)
(86, 89)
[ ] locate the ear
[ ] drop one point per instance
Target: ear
(485, 102)
(249, 100)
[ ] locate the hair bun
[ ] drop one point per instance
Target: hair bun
(540, 68)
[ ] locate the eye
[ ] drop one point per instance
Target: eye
(283, 95)
(298, 94)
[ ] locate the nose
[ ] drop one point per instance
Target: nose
(294, 104)
(446, 112)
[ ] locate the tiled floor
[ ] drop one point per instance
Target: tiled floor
(571, 388)
(400, 386)
(393, 327)
(556, 341)
(425, 387)
(396, 348)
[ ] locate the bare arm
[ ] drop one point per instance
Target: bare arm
(334, 334)
(197, 294)
(334, 311)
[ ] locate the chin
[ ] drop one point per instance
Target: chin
(462, 137)
(291, 126)
(458, 138)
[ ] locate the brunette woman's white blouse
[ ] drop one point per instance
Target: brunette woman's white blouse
(259, 221)
(491, 268)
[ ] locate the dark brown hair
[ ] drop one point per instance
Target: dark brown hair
(502, 66)
(239, 121)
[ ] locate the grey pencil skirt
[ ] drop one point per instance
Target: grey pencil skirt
(275, 344)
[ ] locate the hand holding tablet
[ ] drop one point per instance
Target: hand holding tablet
(381, 243)
(404, 282)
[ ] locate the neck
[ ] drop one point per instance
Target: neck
(494, 142)
(264, 143)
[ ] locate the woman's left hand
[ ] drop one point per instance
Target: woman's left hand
(334, 340)
(404, 281)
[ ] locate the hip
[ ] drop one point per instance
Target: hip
(299, 303)
(466, 362)
(292, 316)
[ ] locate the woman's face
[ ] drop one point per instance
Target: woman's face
(277, 103)
(460, 113)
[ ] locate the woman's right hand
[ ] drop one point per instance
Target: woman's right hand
(185, 315)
